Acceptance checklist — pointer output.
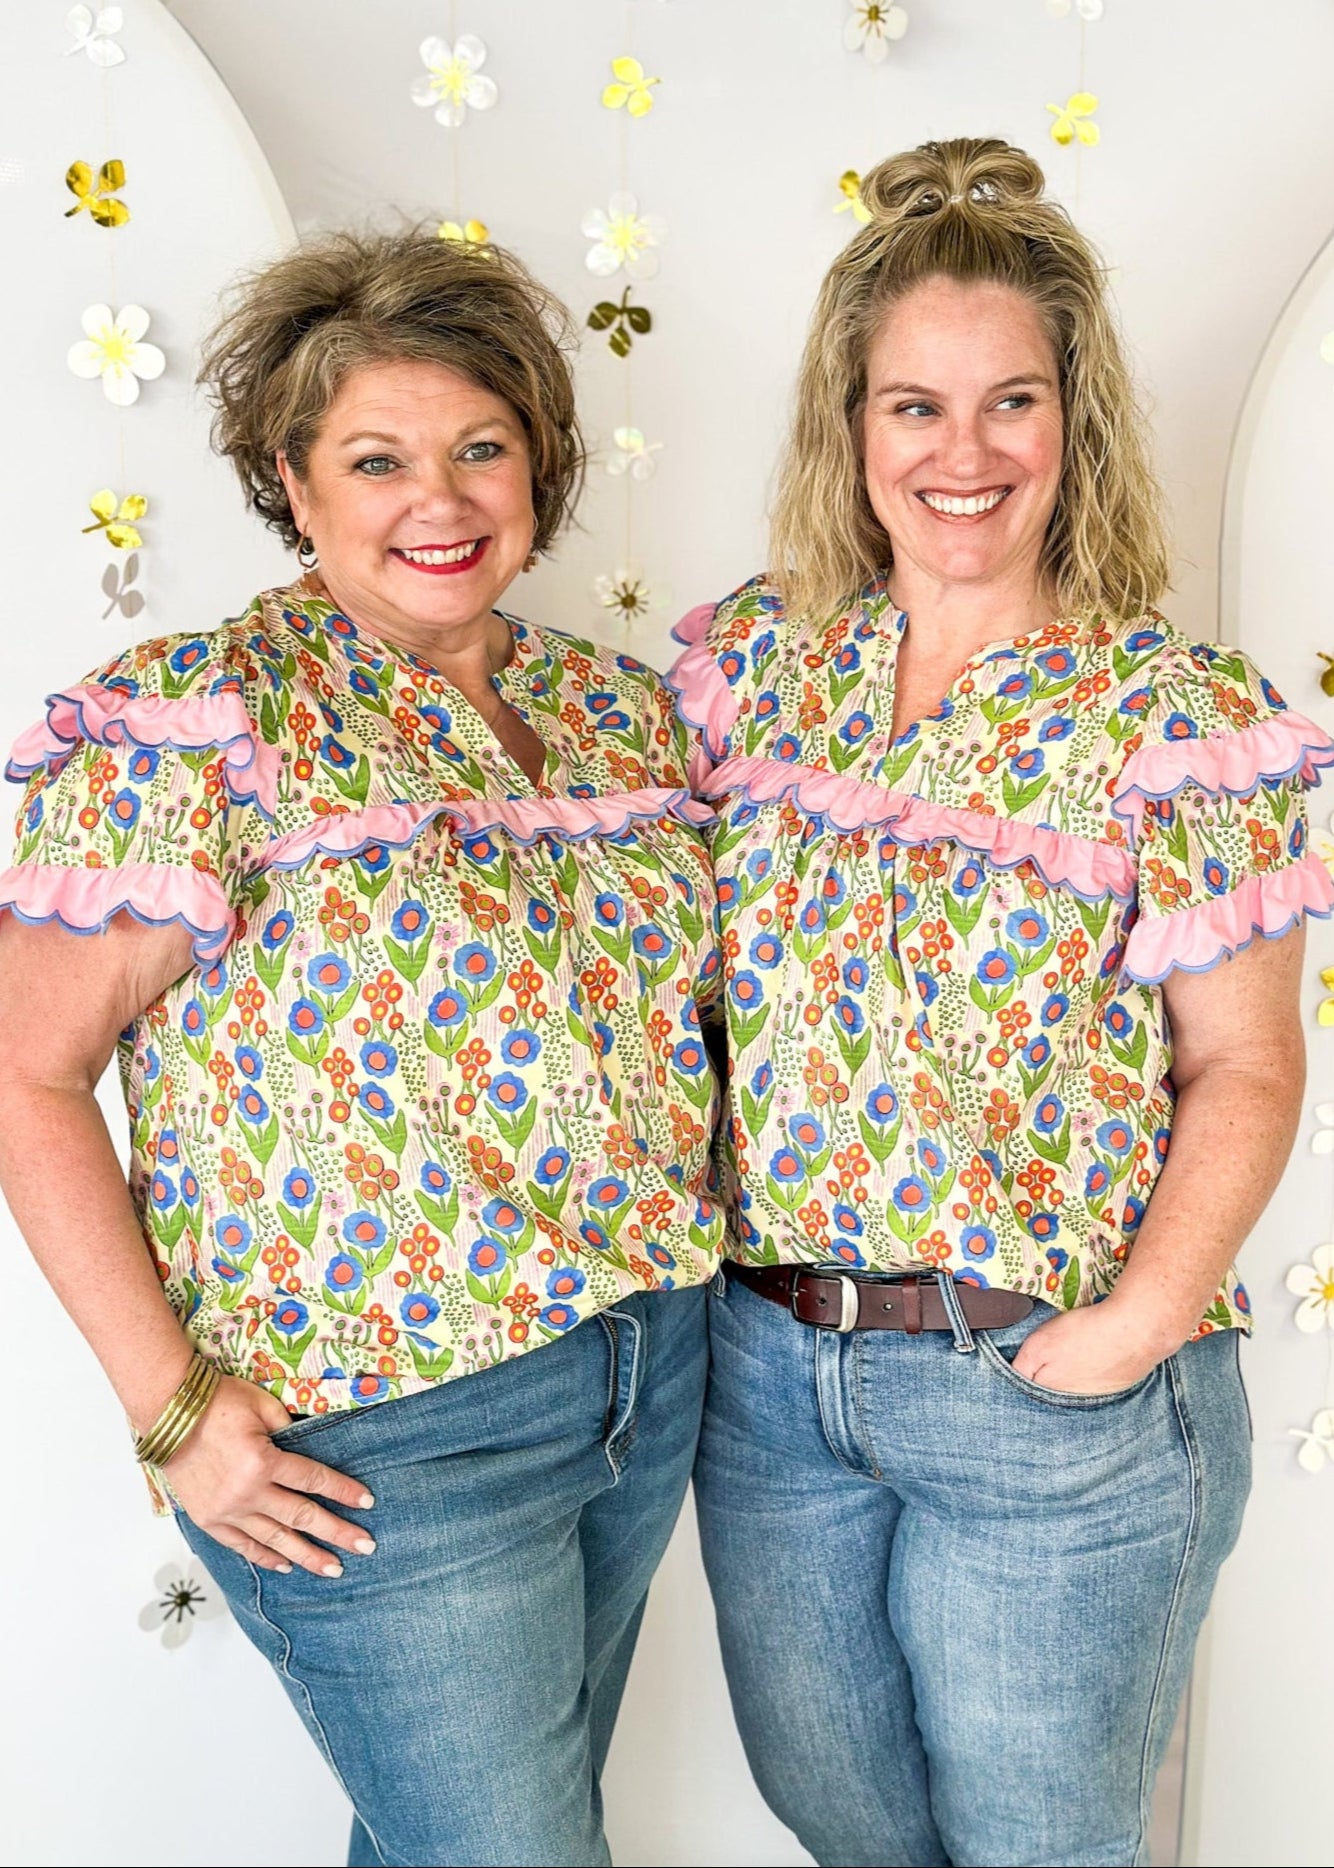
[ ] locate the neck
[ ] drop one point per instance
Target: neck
(961, 619)
(467, 654)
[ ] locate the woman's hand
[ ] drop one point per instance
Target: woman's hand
(254, 1498)
(1095, 1350)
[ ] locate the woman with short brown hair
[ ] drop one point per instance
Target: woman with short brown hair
(397, 912)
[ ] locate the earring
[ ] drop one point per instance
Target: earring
(306, 555)
(530, 562)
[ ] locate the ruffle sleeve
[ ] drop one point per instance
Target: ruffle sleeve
(149, 791)
(1214, 799)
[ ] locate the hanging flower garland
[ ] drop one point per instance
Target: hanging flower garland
(1074, 120)
(633, 454)
(97, 192)
(850, 187)
(630, 89)
(184, 1595)
(453, 83)
(873, 27)
(113, 348)
(118, 518)
(1088, 10)
(95, 34)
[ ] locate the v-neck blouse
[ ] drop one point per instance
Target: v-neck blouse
(944, 954)
(434, 1089)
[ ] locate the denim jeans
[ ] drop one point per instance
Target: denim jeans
(462, 1683)
(958, 1610)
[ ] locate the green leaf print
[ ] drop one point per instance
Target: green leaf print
(1054, 1148)
(1070, 1284)
(308, 1051)
(393, 1135)
(301, 1226)
(880, 1143)
(429, 1364)
(1132, 1055)
(265, 1140)
(963, 916)
(354, 784)
(489, 1290)
(1094, 915)
(1017, 795)
(442, 1214)
(290, 1349)
(855, 1051)
(746, 1030)
(409, 961)
(755, 1109)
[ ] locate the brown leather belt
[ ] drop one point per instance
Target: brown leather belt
(836, 1300)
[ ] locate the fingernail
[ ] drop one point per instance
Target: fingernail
(366, 1545)
(284, 1569)
(365, 1502)
(333, 1569)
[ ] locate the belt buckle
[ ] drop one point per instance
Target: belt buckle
(850, 1302)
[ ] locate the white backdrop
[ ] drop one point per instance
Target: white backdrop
(1209, 193)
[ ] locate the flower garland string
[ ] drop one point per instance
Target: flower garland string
(626, 242)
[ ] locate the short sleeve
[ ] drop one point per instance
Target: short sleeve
(141, 801)
(1215, 799)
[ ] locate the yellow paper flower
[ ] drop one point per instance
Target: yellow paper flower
(1325, 1010)
(850, 187)
(1072, 119)
(632, 90)
(471, 233)
(97, 192)
(118, 518)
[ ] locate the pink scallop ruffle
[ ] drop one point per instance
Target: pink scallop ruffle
(1287, 745)
(706, 701)
(84, 901)
(1090, 869)
(1195, 939)
(107, 717)
(349, 833)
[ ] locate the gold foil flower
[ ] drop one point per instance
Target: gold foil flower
(1073, 120)
(118, 519)
(97, 192)
(632, 91)
(850, 187)
(469, 233)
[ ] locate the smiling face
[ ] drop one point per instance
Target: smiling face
(417, 496)
(962, 435)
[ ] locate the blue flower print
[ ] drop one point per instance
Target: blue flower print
(848, 1221)
(787, 1167)
(251, 1106)
(305, 1019)
(418, 1310)
(1117, 1136)
(1043, 1225)
(374, 858)
(593, 1234)
(811, 920)
(475, 963)
(1029, 762)
(410, 922)
(1056, 664)
(606, 1194)
(882, 1105)
(365, 1231)
(366, 1389)
(501, 1215)
(375, 1101)
(520, 1047)
(290, 1318)
(766, 706)
(213, 980)
(1026, 927)
(1049, 1114)
(552, 1167)
(807, 1133)
(1060, 726)
(1054, 1008)
(343, 1274)
(1137, 703)
(558, 1316)
(766, 950)
(1118, 1020)
(856, 728)
(249, 1062)
(763, 1078)
(690, 1057)
(848, 660)
(912, 1195)
(746, 991)
(123, 810)
(187, 655)
(787, 748)
(565, 1281)
(931, 1157)
(487, 1257)
(379, 1058)
(435, 1180)
(161, 1191)
(978, 1242)
(1180, 726)
(143, 765)
(543, 919)
(299, 1188)
(996, 967)
(1097, 1181)
(448, 1009)
(507, 1093)
(336, 754)
(189, 1186)
(849, 1016)
(848, 1253)
(1016, 686)
(968, 879)
(277, 930)
(329, 974)
(855, 975)
(608, 910)
(232, 1235)
(481, 849)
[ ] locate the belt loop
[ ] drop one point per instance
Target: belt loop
(949, 1296)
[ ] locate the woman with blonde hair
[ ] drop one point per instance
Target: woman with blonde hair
(976, 1443)
(398, 914)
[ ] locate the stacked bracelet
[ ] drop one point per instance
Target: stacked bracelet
(181, 1415)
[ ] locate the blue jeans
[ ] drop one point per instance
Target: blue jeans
(958, 1610)
(462, 1683)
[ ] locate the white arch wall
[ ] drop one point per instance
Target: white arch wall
(1263, 1712)
(113, 1750)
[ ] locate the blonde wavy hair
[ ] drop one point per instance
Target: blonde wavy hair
(971, 210)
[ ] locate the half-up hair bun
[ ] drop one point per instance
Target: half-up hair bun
(971, 173)
(973, 211)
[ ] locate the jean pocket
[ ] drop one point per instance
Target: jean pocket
(1000, 1365)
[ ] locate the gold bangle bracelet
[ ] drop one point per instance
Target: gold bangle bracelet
(180, 1416)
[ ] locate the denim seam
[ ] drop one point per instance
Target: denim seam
(1178, 1589)
(622, 1428)
(830, 1439)
(858, 1352)
(285, 1670)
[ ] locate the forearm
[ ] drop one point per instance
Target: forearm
(1231, 1139)
(67, 1191)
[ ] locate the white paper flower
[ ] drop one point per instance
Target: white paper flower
(626, 595)
(186, 1594)
(872, 26)
(1314, 1284)
(452, 83)
(1086, 9)
(1317, 1442)
(1322, 1142)
(113, 349)
(95, 34)
(624, 240)
(633, 454)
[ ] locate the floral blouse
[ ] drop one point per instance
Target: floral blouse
(943, 953)
(434, 1089)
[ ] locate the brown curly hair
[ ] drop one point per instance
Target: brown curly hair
(971, 210)
(293, 330)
